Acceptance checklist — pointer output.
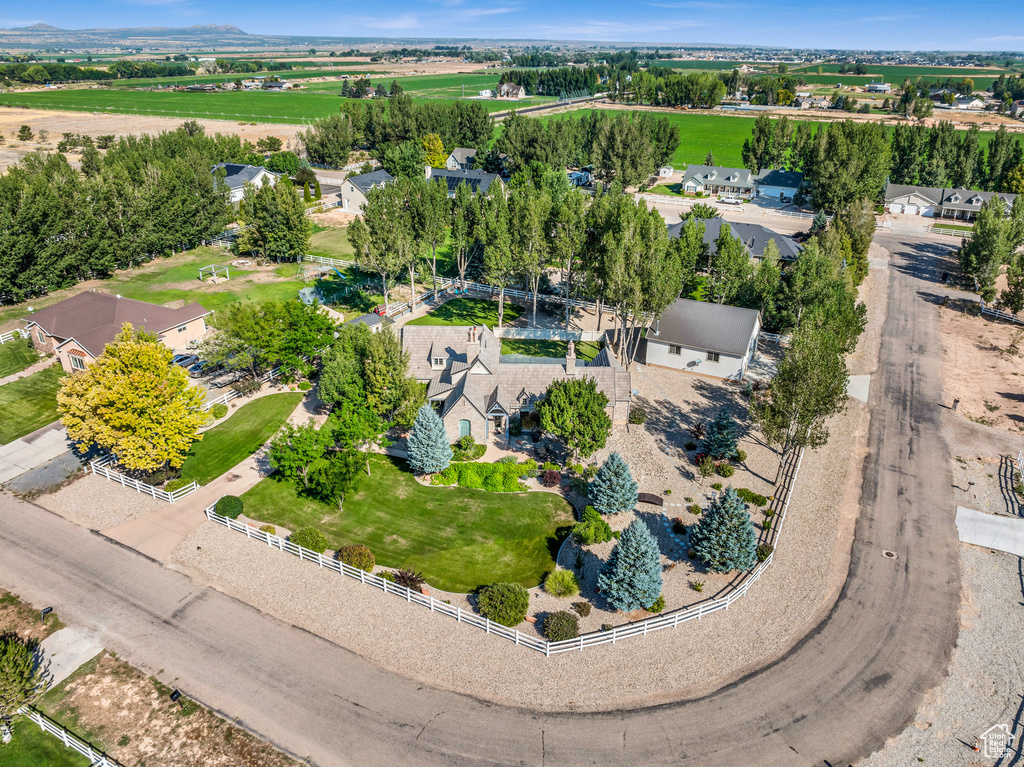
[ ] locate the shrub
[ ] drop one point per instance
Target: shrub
(691, 445)
(509, 459)
(411, 579)
(725, 469)
(387, 575)
(551, 478)
(577, 469)
(177, 484)
(741, 456)
(230, 506)
(614, 489)
(705, 466)
(717, 485)
(591, 528)
(657, 606)
(693, 508)
(764, 551)
(606, 627)
(562, 583)
(305, 386)
(637, 415)
(749, 496)
(358, 556)
(219, 410)
(678, 527)
(465, 443)
(582, 608)
(766, 525)
(515, 427)
(698, 431)
(697, 586)
(310, 538)
(591, 472)
(549, 466)
(561, 626)
(504, 603)
(270, 529)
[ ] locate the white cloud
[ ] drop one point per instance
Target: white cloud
(405, 21)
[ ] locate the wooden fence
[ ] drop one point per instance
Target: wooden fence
(96, 757)
(789, 469)
(99, 466)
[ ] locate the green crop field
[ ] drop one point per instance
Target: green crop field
(722, 66)
(900, 71)
(298, 74)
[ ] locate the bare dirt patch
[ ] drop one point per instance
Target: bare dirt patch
(24, 620)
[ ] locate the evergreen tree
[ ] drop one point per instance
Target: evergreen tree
(724, 539)
(614, 489)
(632, 578)
(428, 448)
(720, 441)
(709, 160)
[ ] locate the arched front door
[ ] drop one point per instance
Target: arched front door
(464, 428)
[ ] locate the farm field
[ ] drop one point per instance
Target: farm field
(901, 71)
(230, 77)
(458, 538)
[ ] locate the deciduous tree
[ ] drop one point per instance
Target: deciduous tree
(574, 410)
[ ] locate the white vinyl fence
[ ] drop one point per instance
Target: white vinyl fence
(13, 335)
(775, 338)
(788, 471)
(96, 757)
(951, 232)
(993, 312)
(226, 398)
(99, 466)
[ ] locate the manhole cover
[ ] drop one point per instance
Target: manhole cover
(889, 554)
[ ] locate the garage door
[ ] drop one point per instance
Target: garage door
(927, 210)
(895, 207)
(911, 210)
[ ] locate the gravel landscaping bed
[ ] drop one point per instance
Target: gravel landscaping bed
(99, 503)
(986, 673)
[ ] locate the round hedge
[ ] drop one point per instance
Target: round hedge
(561, 625)
(504, 603)
(229, 506)
(562, 583)
(725, 469)
(219, 410)
(357, 555)
(310, 538)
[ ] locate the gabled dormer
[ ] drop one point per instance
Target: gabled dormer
(976, 200)
(733, 177)
(955, 198)
(711, 175)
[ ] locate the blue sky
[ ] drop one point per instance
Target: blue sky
(871, 24)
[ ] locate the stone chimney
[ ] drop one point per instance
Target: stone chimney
(570, 360)
(427, 170)
(472, 334)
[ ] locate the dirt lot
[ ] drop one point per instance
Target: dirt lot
(23, 619)
(983, 363)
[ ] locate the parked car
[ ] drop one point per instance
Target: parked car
(185, 360)
(226, 379)
(731, 201)
(202, 368)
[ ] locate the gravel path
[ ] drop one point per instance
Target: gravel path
(99, 503)
(986, 674)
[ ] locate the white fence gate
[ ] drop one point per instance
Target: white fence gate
(6, 338)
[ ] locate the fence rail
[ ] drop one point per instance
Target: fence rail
(775, 338)
(96, 757)
(99, 466)
(950, 232)
(8, 337)
(993, 312)
(789, 468)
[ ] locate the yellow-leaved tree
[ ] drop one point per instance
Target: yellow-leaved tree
(133, 402)
(434, 148)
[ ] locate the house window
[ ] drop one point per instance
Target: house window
(181, 328)
(437, 363)
(77, 363)
(677, 350)
(464, 428)
(712, 356)
(40, 336)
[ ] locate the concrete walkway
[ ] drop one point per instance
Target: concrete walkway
(32, 450)
(158, 534)
(990, 530)
(66, 650)
(34, 368)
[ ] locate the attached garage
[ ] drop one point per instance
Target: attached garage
(910, 210)
(912, 200)
(895, 207)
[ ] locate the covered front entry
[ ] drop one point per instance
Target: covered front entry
(497, 423)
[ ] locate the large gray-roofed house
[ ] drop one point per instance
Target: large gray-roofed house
(460, 158)
(478, 180)
(912, 200)
(477, 390)
(778, 183)
(754, 236)
(964, 204)
(701, 337)
(355, 189)
(236, 176)
(709, 179)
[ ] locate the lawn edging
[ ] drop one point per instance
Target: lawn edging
(789, 469)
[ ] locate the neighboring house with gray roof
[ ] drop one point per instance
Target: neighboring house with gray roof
(700, 337)
(236, 176)
(964, 204)
(778, 183)
(354, 189)
(460, 159)
(708, 179)
(754, 236)
(477, 391)
(478, 180)
(79, 328)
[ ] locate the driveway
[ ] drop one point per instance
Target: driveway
(32, 450)
(853, 681)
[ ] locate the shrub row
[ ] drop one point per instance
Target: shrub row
(495, 477)
(749, 496)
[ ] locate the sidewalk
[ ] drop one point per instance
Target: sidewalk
(157, 535)
(33, 368)
(990, 531)
(32, 450)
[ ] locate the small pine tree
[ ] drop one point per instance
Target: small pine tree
(428, 448)
(710, 159)
(614, 489)
(819, 223)
(725, 539)
(720, 441)
(305, 192)
(632, 577)
(318, 193)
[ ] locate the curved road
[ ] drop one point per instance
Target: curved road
(853, 681)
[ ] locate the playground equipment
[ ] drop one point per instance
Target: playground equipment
(215, 272)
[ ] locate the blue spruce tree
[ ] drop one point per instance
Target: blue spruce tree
(725, 539)
(632, 577)
(720, 441)
(613, 489)
(429, 451)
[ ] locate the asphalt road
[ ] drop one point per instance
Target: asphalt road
(852, 682)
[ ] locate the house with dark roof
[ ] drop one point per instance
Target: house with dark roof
(511, 91)
(477, 390)
(478, 180)
(754, 236)
(355, 188)
(460, 159)
(705, 338)
(236, 176)
(79, 328)
(708, 179)
(778, 183)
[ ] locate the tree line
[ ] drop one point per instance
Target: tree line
(553, 82)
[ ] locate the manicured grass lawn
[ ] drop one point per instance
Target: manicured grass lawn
(469, 311)
(459, 539)
(16, 355)
(31, 747)
(958, 227)
(671, 189)
(585, 350)
(29, 403)
(242, 434)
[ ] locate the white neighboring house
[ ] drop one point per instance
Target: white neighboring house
(878, 88)
(355, 188)
(237, 176)
(912, 200)
(700, 337)
(708, 179)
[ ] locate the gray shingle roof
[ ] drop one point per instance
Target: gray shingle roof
(706, 326)
(367, 181)
(709, 174)
(789, 179)
(462, 155)
(237, 175)
(930, 193)
(478, 180)
(967, 199)
(754, 236)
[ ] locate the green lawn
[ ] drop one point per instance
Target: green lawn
(16, 355)
(31, 747)
(585, 350)
(469, 311)
(459, 539)
(958, 227)
(29, 403)
(670, 189)
(229, 443)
